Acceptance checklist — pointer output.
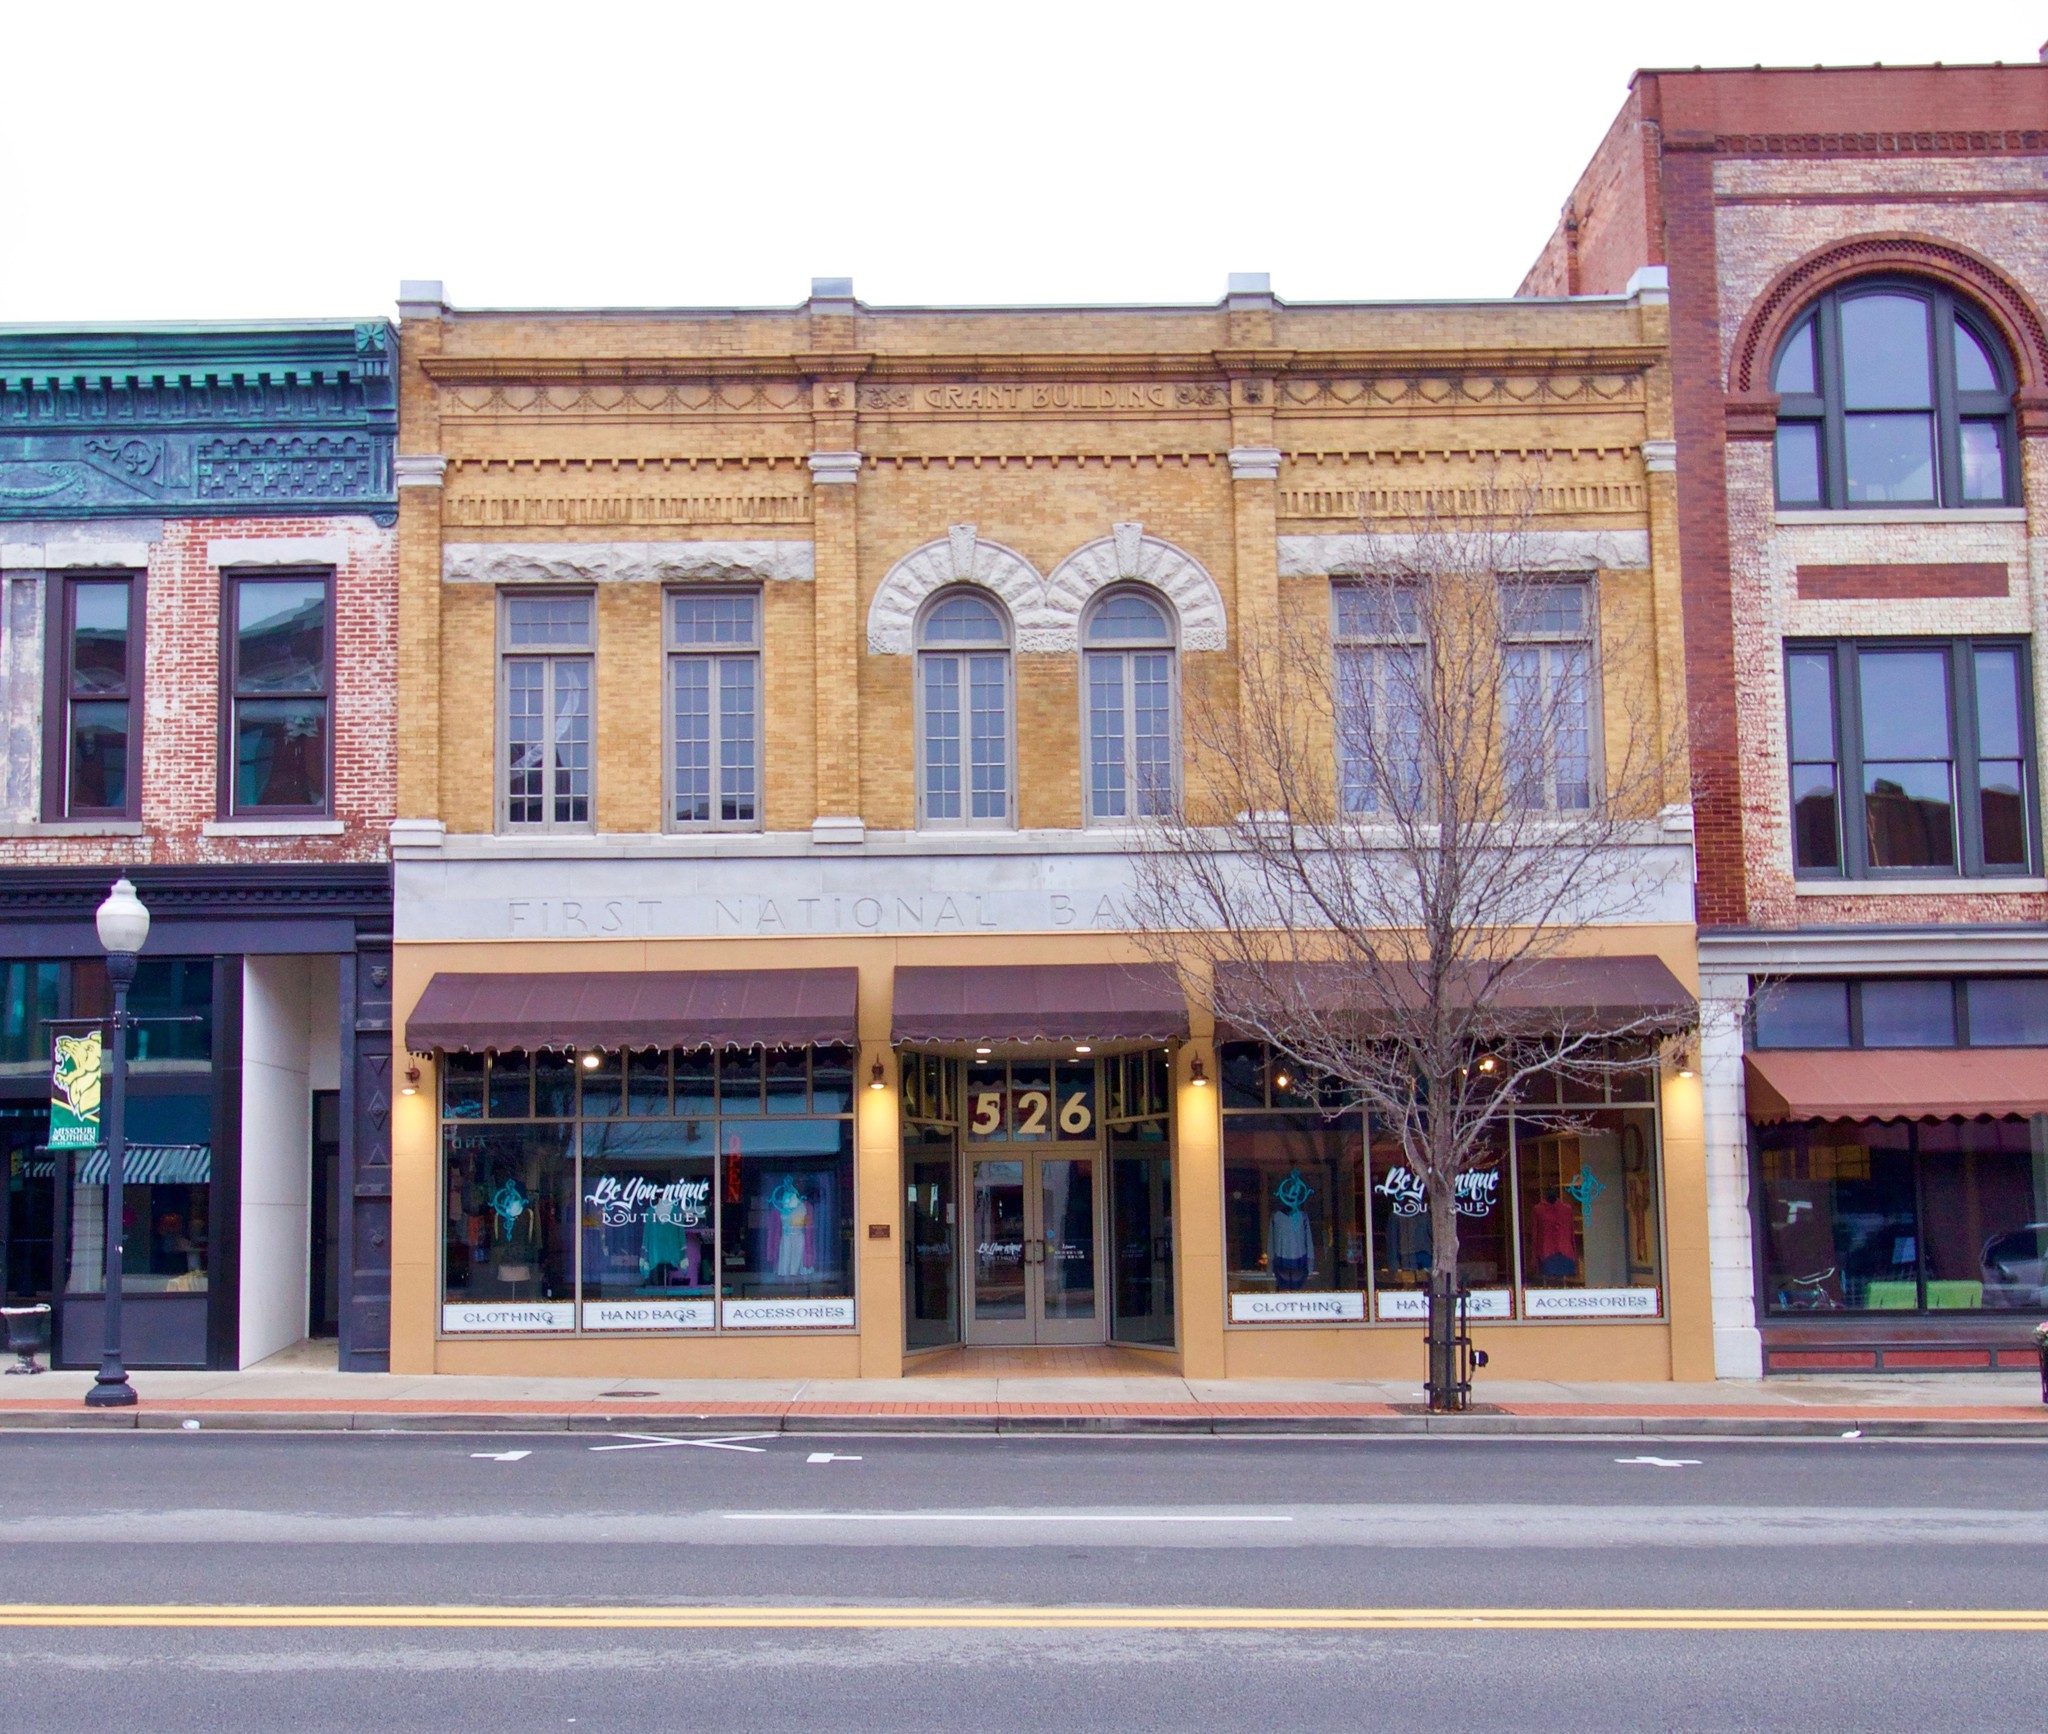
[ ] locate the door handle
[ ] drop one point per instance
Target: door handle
(1034, 1252)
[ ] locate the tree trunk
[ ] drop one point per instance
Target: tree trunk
(1443, 1383)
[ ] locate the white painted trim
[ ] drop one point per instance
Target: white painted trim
(838, 833)
(835, 469)
(1650, 284)
(1660, 456)
(1254, 463)
(1544, 551)
(418, 470)
(1902, 515)
(57, 556)
(624, 562)
(21, 557)
(272, 828)
(1913, 887)
(277, 551)
(1830, 952)
(75, 828)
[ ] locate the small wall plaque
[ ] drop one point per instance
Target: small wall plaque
(878, 1231)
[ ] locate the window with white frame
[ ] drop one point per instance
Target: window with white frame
(546, 643)
(714, 686)
(963, 696)
(1128, 701)
(1382, 676)
(1548, 653)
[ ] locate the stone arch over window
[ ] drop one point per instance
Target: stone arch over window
(1786, 299)
(1128, 555)
(961, 557)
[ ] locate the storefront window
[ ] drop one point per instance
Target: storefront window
(649, 1191)
(931, 1304)
(1559, 1217)
(1587, 1185)
(1898, 1216)
(166, 1201)
(28, 1003)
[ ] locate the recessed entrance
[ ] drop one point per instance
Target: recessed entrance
(1034, 1271)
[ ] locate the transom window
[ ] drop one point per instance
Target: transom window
(714, 673)
(546, 677)
(1381, 682)
(1893, 394)
(280, 694)
(1549, 693)
(1128, 697)
(1910, 756)
(963, 695)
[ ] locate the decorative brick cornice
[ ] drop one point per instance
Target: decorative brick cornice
(1787, 295)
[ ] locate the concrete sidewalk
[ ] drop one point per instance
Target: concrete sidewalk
(293, 1391)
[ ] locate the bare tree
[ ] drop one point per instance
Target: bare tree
(1396, 833)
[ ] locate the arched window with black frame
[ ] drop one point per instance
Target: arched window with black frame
(1894, 393)
(1129, 706)
(964, 776)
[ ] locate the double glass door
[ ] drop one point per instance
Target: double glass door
(1034, 1272)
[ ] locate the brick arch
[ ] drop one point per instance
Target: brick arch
(1794, 289)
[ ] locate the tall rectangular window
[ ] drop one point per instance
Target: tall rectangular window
(93, 743)
(714, 673)
(545, 693)
(1549, 690)
(1909, 756)
(1381, 687)
(279, 694)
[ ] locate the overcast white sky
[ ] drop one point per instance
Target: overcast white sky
(216, 160)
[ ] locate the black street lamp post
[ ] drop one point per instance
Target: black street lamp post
(123, 926)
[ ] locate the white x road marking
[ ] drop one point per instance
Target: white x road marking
(1663, 1462)
(501, 1456)
(656, 1441)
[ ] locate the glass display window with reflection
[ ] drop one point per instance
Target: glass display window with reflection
(654, 1190)
(1404, 1239)
(1903, 1216)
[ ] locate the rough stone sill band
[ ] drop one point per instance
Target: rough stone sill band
(1915, 887)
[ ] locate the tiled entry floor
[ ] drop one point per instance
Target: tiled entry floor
(1097, 1361)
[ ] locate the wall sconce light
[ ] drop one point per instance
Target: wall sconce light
(877, 1078)
(1282, 1078)
(984, 1050)
(1197, 1077)
(591, 1060)
(411, 1086)
(1489, 1065)
(1083, 1048)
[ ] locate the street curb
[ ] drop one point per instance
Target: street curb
(170, 1419)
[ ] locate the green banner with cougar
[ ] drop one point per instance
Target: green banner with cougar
(75, 1093)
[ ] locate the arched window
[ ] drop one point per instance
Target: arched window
(963, 698)
(1894, 393)
(1127, 691)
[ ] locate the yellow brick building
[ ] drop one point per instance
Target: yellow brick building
(776, 690)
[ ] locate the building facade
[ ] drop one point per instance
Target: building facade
(197, 661)
(782, 691)
(1857, 260)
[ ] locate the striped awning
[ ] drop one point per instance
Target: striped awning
(149, 1165)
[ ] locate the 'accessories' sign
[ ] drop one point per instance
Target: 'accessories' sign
(1302, 1308)
(508, 1316)
(787, 1315)
(1585, 1303)
(647, 1315)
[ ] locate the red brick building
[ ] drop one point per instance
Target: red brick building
(1857, 261)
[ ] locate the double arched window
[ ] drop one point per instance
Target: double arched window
(1894, 393)
(1127, 698)
(963, 696)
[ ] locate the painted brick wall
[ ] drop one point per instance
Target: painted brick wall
(179, 760)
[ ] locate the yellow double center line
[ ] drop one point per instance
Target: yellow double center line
(462, 1618)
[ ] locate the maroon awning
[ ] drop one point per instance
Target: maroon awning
(1571, 993)
(771, 1008)
(1896, 1083)
(1040, 1002)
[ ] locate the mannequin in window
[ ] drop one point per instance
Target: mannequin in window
(1290, 1245)
(790, 1230)
(1556, 1248)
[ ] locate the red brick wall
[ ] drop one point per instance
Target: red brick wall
(180, 754)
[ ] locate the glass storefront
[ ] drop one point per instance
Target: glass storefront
(655, 1191)
(1903, 1216)
(1561, 1219)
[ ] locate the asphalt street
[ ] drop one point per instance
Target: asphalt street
(210, 1580)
